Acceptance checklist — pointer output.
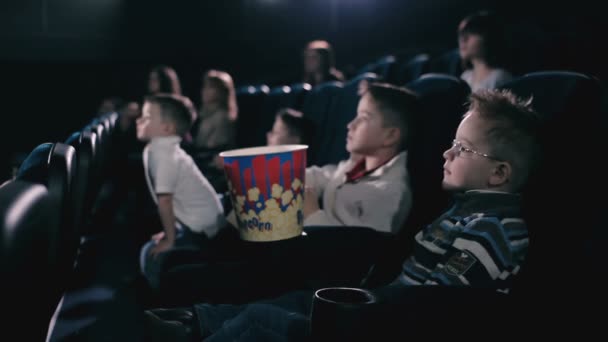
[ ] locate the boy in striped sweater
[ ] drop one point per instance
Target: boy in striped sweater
(482, 240)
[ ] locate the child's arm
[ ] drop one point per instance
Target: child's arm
(382, 208)
(167, 218)
(483, 254)
(494, 256)
(318, 177)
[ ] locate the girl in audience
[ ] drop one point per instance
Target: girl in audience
(319, 63)
(218, 114)
(481, 45)
(163, 79)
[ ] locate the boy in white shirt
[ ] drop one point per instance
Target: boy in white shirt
(371, 190)
(189, 209)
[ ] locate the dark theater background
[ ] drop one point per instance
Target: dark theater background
(59, 58)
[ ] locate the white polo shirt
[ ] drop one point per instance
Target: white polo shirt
(380, 200)
(170, 170)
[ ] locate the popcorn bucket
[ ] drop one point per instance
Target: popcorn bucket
(266, 187)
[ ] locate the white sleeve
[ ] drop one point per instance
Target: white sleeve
(320, 218)
(164, 171)
(318, 177)
(382, 209)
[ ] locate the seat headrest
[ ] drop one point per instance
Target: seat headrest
(555, 93)
(35, 167)
(443, 84)
(25, 216)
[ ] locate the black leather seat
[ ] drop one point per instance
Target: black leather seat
(54, 166)
(384, 67)
(250, 100)
(316, 107)
(562, 216)
(29, 222)
(413, 68)
(82, 191)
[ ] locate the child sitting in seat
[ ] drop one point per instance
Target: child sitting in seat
(290, 127)
(188, 206)
(371, 189)
(481, 242)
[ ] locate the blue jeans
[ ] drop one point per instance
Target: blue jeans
(285, 318)
(151, 266)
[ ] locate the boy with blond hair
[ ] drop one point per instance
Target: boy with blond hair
(189, 209)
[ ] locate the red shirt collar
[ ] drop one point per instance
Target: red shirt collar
(358, 171)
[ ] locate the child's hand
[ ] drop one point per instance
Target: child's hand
(162, 246)
(311, 201)
(158, 236)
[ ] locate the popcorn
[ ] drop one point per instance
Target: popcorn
(277, 190)
(253, 194)
(272, 204)
(266, 221)
(286, 197)
(295, 185)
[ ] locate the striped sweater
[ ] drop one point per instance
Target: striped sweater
(481, 242)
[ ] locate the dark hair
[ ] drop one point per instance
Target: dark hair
(399, 108)
(514, 129)
(327, 61)
(297, 124)
(168, 79)
(489, 26)
(175, 108)
(325, 50)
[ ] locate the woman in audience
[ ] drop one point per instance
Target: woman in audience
(319, 63)
(482, 47)
(218, 114)
(163, 79)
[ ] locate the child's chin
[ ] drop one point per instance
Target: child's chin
(447, 186)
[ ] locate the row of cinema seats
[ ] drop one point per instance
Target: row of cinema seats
(45, 214)
(564, 223)
(322, 105)
(40, 219)
(406, 67)
(330, 106)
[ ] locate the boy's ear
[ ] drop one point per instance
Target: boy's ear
(501, 174)
(393, 136)
(169, 127)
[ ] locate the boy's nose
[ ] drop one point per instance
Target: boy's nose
(449, 153)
